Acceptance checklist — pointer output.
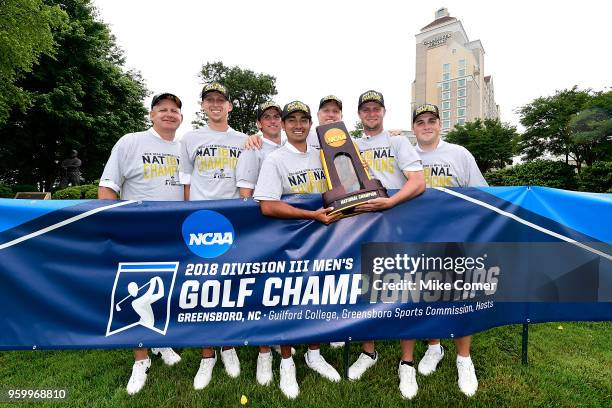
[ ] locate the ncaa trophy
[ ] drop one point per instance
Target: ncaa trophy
(348, 180)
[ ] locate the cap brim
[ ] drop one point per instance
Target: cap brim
(371, 100)
(166, 95)
(214, 90)
(298, 110)
(337, 102)
(279, 110)
(427, 111)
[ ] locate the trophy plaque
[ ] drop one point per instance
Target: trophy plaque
(348, 180)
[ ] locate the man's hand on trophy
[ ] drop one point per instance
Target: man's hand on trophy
(395, 132)
(253, 142)
(322, 215)
(375, 204)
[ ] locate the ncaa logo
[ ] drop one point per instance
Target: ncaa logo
(208, 234)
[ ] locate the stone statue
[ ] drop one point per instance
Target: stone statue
(71, 173)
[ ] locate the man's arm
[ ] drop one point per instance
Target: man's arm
(412, 188)
(280, 209)
(113, 176)
(254, 142)
(106, 193)
(245, 192)
(474, 176)
(247, 171)
(185, 167)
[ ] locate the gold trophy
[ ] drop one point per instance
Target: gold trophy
(348, 180)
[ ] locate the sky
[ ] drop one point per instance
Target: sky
(315, 48)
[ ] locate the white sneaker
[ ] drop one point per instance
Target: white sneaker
(288, 382)
(430, 360)
(168, 355)
(408, 385)
(204, 374)
(323, 367)
(336, 344)
(360, 366)
(278, 350)
(264, 368)
(139, 376)
(468, 383)
(231, 362)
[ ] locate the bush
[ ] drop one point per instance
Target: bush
(6, 191)
(596, 178)
(545, 173)
(503, 177)
(86, 191)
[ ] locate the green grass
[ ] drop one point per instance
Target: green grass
(568, 367)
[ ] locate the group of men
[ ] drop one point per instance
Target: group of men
(217, 162)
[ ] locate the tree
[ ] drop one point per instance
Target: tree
(80, 99)
(358, 131)
(25, 34)
(490, 141)
(247, 90)
(591, 131)
(547, 124)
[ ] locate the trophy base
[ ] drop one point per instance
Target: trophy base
(346, 204)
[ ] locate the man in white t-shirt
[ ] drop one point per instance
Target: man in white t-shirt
(295, 168)
(446, 165)
(209, 155)
(394, 162)
(208, 160)
(330, 110)
(144, 166)
(247, 171)
(250, 161)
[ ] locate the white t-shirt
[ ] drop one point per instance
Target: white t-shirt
(208, 163)
(249, 164)
(450, 165)
(312, 139)
(387, 157)
(143, 166)
(289, 171)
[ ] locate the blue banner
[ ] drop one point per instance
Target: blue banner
(106, 274)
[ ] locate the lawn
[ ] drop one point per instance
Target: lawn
(570, 364)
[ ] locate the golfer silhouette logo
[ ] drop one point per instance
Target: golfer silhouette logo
(146, 302)
(142, 304)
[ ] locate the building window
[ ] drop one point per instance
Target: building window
(462, 63)
(461, 112)
(461, 83)
(461, 102)
(446, 76)
(446, 86)
(445, 68)
(445, 95)
(446, 115)
(461, 93)
(461, 121)
(445, 124)
(446, 105)
(461, 72)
